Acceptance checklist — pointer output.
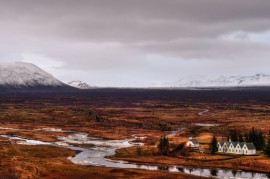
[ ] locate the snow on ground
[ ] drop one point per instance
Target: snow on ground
(223, 81)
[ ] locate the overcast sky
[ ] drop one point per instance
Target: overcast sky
(137, 42)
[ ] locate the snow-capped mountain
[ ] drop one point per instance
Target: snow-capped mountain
(80, 85)
(225, 81)
(26, 75)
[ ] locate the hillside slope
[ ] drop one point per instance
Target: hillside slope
(21, 75)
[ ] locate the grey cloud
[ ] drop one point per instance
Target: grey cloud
(205, 48)
(134, 38)
(129, 20)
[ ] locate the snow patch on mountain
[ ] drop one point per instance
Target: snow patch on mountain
(224, 81)
(80, 85)
(21, 74)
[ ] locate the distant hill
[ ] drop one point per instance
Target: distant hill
(26, 76)
(80, 85)
(224, 81)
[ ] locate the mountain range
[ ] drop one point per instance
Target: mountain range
(224, 81)
(21, 75)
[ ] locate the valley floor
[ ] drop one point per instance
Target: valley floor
(120, 114)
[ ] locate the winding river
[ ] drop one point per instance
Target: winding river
(203, 112)
(93, 151)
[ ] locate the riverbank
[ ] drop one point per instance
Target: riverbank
(43, 161)
(129, 114)
(94, 152)
(245, 163)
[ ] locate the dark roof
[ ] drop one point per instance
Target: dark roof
(224, 142)
(234, 144)
(221, 143)
(194, 141)
(241, 144)
(250, 146)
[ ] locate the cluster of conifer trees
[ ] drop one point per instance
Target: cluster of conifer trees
(254, 136)
(164, 146)
(267, 147)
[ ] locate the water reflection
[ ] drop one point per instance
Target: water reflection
(214, 172)
(97, 154)
(180, 169)
(163, 168)
(234, 172)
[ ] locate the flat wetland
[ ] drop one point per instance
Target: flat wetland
(121, 114)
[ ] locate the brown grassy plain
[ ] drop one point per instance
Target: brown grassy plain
(126, 112)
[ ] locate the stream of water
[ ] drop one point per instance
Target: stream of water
(93, 151)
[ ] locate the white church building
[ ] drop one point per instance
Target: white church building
(241, 148)
(192, 143)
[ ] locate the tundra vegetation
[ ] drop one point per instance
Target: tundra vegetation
(121, 114)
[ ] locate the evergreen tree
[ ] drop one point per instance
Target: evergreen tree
(246, 137)
(163, 146)
(213, 145)
(267, 148)
(252, 135)
(240, 138)
(234, 136)
(178, 148)
(261, 141)
(257, 138)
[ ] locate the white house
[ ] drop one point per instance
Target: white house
(223, 146)
(241, 148)
(232, 147)
(192, 143)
